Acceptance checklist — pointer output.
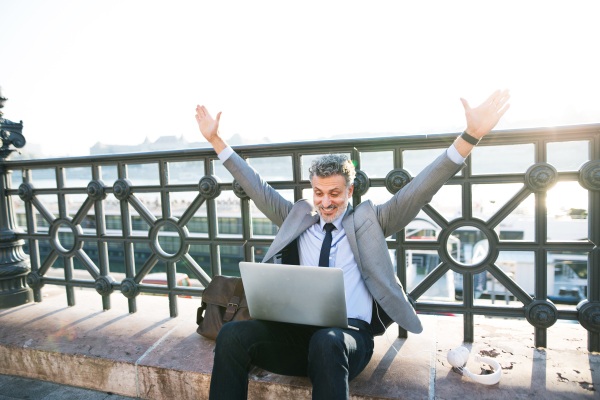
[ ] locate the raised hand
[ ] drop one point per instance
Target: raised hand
(482, 119)
(208, 126)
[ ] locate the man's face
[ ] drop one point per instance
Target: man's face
(330, 196)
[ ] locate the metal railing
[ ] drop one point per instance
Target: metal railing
(537, 180)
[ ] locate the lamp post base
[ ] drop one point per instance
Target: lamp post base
(14, 291)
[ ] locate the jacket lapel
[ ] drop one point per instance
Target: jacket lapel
(288, 233)
(348, 224)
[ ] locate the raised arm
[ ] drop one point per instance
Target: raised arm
(210, 128)
(396, 213)
(403, 207)
(267, 199)
(482, 119)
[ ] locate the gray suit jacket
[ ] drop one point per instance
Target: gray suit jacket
(366, 227)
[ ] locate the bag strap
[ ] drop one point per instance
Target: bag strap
(234, 302)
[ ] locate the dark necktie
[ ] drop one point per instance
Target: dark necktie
(324, 257)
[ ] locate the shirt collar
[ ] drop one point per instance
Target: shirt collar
(336, 222)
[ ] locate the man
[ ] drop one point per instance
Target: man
(330, 233)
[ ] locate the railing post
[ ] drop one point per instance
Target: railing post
(589, 309)
(14, 263)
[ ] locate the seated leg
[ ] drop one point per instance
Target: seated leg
(274, 346)
(336, 356)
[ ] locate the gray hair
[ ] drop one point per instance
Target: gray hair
(333, 164)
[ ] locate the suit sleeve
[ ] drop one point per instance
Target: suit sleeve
(396, 213)
(267, 199)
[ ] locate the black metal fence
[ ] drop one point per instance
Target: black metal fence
(169, 231)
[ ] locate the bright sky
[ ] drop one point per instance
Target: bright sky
(79, 72)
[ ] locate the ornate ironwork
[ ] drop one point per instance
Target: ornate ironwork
(209, 187)
(122, 189)
(11, 133)
(26, 191)
(103, 285)
(14, 263)
(589, 175)
(480, 265)
(541, 177)
(171, 224)
(239, 191)
(96, 190)
(55, 242)
(541, 314)
(34, 280)
(589, 315)
(129, 288)
(361, 183)
(396, 179)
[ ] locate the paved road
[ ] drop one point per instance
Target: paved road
(15, 387)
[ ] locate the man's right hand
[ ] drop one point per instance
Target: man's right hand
(210, 128)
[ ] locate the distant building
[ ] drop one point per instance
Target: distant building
(162, 143)
(166, 143)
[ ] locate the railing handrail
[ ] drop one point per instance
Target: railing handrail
(538, 178)
(433, 140)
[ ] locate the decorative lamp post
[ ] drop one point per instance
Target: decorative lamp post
(14, 263)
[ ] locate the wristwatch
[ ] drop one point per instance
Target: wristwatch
(469, 139)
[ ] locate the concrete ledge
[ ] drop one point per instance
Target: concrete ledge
(149, 355)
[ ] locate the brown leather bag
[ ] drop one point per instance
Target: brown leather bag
(223, 301)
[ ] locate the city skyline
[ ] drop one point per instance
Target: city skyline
(118, 72)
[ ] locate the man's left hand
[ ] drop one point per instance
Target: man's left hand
(482, 119)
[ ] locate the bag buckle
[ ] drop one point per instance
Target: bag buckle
(235, 305)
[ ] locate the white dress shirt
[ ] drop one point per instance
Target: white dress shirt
(359, 302)
(358, 298)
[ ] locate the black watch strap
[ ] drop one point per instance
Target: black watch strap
(470, 139)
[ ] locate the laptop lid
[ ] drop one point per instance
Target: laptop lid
(295, 294)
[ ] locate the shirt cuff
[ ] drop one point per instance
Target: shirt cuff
(226, 153)
(452, 153)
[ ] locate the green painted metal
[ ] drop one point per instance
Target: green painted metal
(14, 263)
(538, 310)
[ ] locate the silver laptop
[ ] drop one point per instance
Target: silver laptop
(295, 294)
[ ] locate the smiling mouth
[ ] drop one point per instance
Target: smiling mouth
(329, 209)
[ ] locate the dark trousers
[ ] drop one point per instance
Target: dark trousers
(330, 357)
